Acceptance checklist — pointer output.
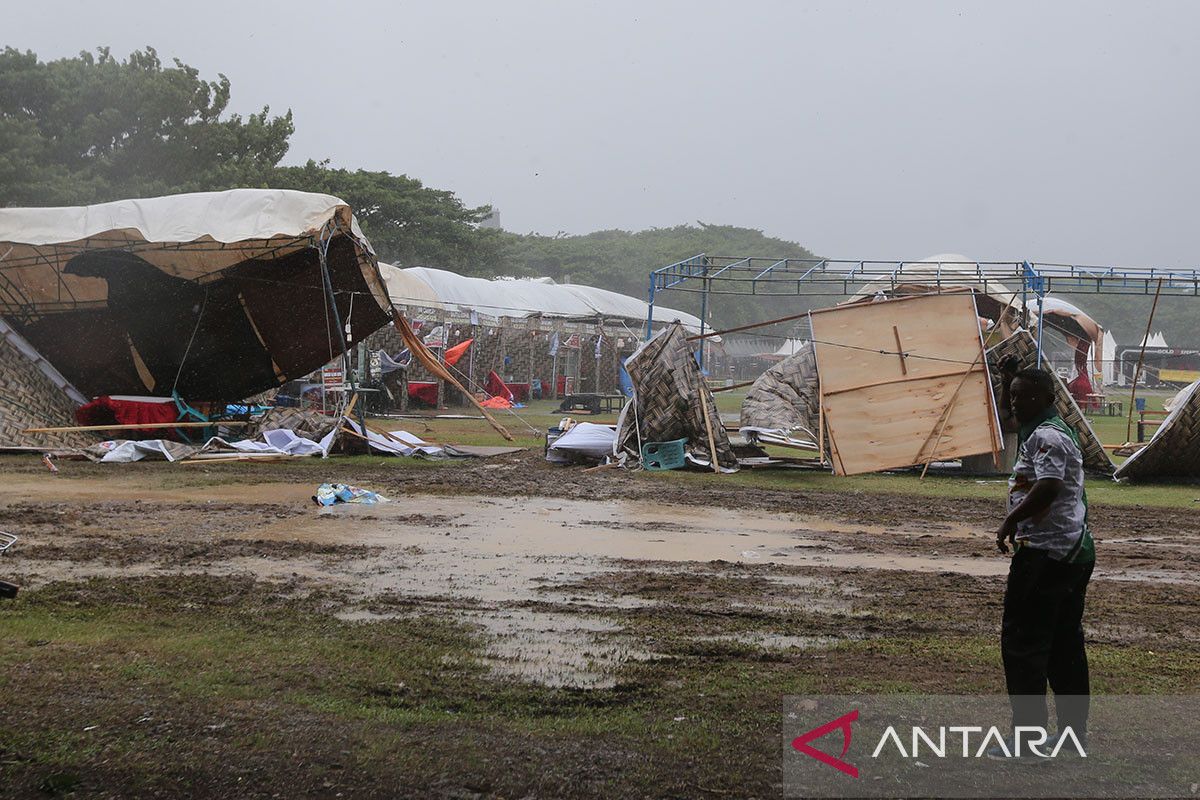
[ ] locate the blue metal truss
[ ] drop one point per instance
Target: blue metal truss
(709, 275)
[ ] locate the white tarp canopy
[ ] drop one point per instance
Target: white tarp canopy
(519, 298)
(185, 235)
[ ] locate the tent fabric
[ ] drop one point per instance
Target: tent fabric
(261, 222)
(495, 386)
(1022, 346)
(670, 401)
(586, 439)
(212, 294)
(424, 392)
(455, 354)
(1174, 450)
(519, 298)
(786, 397)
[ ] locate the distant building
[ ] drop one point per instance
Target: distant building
(492, 220)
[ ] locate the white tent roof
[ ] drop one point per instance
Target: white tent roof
(944, 271)
(185, 235)
(790, 347)
(1155, 340)
(424, 287)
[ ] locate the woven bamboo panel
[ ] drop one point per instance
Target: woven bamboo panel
(1174, 451)
(1022, 346)
(785, 397)
(884, 410)
(669, 395)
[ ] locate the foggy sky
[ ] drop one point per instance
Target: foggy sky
(1053, 131)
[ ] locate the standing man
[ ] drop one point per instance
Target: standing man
(1041, 638)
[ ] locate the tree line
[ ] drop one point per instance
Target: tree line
(95, 128)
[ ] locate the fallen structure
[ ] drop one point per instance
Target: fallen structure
(34, 394)
(672, 402)
(1022, 346)
(1174, 450)
(784, 403)
(904, 382)
(214, 296)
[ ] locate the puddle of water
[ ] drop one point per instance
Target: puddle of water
(495, 553)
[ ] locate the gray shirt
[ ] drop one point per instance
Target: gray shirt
(1050, 453)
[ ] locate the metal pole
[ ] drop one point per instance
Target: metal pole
(323, 259)
(1138, 370)
(650, 309)
(703, 319)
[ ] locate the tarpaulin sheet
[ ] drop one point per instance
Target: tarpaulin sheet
(423, 392)
(496, 387)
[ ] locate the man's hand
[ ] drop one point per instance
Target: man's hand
(1009, 365)
(1005, 535)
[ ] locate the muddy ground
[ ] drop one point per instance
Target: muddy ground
(503, 627)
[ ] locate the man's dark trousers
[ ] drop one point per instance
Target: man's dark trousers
(1041, 639)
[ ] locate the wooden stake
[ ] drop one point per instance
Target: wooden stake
(900, 351)
(712, 443)
(1137, 373)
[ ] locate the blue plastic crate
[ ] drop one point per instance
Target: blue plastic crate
(664, 455)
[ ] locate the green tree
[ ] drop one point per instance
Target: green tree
(93, 128)
(408, 223)
(622, 261)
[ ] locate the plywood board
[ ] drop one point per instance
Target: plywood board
(885, 411)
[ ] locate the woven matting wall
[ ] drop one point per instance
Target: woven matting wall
(1022, 345)
(28, 399)
(786, 397)
(1174, 451)
(669, 395)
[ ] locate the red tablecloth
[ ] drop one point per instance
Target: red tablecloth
(520, 392)
(121, 411)
(424, 392)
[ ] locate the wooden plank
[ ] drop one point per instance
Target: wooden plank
(883, 411)
(900, 349)
(137, 426)
(878, 428)
(855, 344)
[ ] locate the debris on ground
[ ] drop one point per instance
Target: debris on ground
(329, 494)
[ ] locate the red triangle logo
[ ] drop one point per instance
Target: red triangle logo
(842, 723)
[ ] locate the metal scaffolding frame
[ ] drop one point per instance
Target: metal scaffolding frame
(773, 277)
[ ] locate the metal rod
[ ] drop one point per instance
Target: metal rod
(1141, 355)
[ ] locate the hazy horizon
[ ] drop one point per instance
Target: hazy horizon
(1054, 132)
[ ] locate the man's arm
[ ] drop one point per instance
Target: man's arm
(1041, 495)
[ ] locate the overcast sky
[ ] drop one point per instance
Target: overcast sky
(1054, 131)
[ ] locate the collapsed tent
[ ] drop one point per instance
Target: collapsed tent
(785, 399)
(214, 295)
(671, 402)
(1022, 346)
(1174, 450)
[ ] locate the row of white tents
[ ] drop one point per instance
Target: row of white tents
(424, 293)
